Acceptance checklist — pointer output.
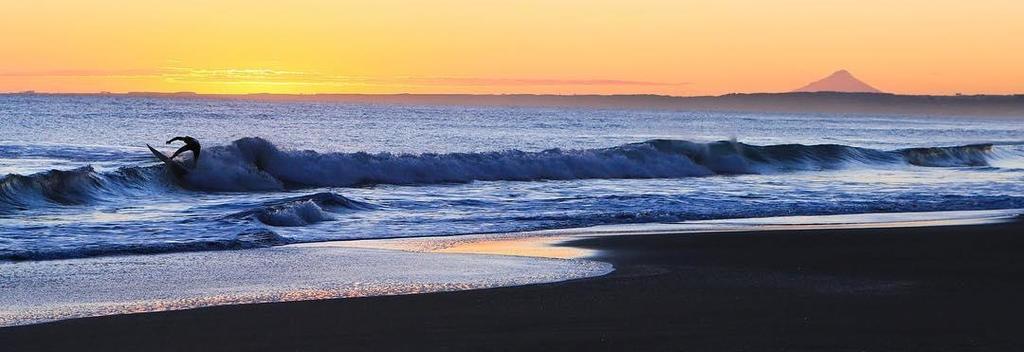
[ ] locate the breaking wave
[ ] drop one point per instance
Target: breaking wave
(255, 164)
(76, 186)
(303, 210)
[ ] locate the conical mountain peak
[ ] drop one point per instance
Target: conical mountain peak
(839, 81)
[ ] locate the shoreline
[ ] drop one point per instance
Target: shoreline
(949, 287)
(47, 291)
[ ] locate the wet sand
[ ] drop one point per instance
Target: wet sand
(946, 288)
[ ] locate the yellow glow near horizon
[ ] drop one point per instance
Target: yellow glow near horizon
(459, 46)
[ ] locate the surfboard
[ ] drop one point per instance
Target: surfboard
(175, 167)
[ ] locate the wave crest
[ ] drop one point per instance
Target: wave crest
(70, 187)
(968, 155)
(303, 210)
(257, 164)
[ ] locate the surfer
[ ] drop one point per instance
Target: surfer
(191, 144)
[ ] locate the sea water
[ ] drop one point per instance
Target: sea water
(78, 181)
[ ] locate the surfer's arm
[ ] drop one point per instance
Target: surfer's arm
(175, 139)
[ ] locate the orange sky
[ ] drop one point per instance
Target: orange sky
(460, 46)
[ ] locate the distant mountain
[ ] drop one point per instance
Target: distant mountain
(840, 81)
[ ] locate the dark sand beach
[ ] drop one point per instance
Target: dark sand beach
(947, 288)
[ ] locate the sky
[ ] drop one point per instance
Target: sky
(672, 47)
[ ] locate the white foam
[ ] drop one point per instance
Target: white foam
(32, 292)
(297, 214)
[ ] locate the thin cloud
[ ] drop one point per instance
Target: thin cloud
(82, 73)
(262, 76)
(487, 81)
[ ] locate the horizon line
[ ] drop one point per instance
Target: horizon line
(191, 93)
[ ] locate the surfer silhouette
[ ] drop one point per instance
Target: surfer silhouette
(191, 144)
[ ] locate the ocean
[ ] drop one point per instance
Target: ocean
(78, 180)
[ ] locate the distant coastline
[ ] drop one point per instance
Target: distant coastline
(797, 102)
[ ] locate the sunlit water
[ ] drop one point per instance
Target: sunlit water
(278, 173)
